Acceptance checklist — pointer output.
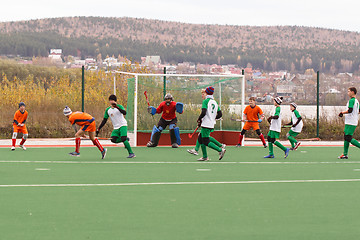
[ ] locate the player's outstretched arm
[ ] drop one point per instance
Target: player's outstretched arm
(218, 114)
(297, 122)
(102, 124)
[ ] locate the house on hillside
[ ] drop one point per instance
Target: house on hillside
(55, 55)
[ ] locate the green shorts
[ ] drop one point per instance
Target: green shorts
(120, 132)
(205, 132)
(293, 134)
(273, 134)
(349, 129)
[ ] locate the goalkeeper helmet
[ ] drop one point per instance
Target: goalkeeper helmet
(168, 96)
(67, 111)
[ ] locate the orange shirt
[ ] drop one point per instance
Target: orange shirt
(20, 117)
(252, 114)
(81, 118)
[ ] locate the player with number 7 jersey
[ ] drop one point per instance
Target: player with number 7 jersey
(210, 111)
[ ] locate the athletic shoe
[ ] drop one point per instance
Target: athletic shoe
(223, 146)
(23, 147)
(203, 159)
(343, 157)
(222, 153)
(150, 144)
(292, 149)
(297, 145)
(103, 153)
(193, 151)
(269, 156)
(238, 145)
(265, 145)
(287, 152)
(12, 148)
(75, 154)
(131, 155)
(174, 145)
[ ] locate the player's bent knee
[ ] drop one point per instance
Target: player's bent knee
(114, 139)
(243, 132)
(172, 126)
(123, 138)
(200, 139)
(14, 135)
(258, 132)
(270, 139)
(347, 138)
(206, 141)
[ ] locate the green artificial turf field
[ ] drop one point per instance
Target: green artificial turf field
(242, 197)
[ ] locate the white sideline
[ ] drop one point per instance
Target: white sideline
(173, 183)
(193, 162)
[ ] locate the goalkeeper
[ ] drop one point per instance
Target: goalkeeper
(117, 113)
(168, 108)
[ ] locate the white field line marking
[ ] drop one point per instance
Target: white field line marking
(173, 183)
(134, 162)
(356, 170)
(42, 169)
(203, 170)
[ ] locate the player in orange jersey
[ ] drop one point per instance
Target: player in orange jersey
(19, 126)
(87, 124)
(253, 115)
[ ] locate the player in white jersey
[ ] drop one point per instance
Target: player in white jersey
(296, 124)
(117, 113)
(275, 129)
(210, 111)
(351, 122)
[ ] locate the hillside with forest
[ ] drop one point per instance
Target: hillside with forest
(269, 48)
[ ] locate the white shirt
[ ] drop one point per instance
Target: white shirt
(275, 124)
(209, 120)
(117, 118)
(353, 117)
(294, 120)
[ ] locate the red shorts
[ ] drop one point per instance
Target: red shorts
(89, 127)
(19, 129)
(251, 125)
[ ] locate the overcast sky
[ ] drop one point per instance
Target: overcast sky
(344, 15)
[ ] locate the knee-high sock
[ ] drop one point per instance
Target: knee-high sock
(355, 143)
(204, 151)
(217, 143)
(22, 141)
(278, 144)
(214, 146)
(346, 147)
(97, 143)
(240, 139)
(292, 141)
(13, 142)
(271, 148)
(261, 136)
(77, 144)
(197, 146)
(128, 147)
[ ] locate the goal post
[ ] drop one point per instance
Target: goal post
(185, 88)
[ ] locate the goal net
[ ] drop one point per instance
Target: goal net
(229, 94)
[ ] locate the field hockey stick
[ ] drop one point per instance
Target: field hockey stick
(147, 99)
(240, 120)
(191, 135)
(286, 126)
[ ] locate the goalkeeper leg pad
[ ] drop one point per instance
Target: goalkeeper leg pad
(175, 136)
(155, 130)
